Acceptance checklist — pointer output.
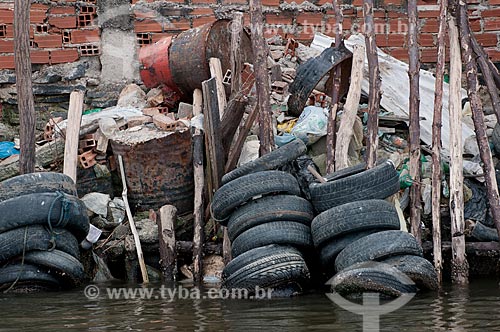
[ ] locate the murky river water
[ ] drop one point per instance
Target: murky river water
(474, 309)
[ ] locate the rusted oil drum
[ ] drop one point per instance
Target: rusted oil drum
(191, 50)
(158, 166)
(155, 69)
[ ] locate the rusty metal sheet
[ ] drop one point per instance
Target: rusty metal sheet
(310, 73)
(159, 171)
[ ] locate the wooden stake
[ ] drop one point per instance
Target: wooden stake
(236, 59)
(331, 136)
(166, 232)
(199, 187)
(216, 72)
(477, 113)
(374, 78)
(414, 110)
(459, 265)
(130, 217)
(436, 142)
(350, 109)
(25, 100)
(73, 133)
(315, 173)
(266, 135)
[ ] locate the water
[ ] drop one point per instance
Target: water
(454, 309)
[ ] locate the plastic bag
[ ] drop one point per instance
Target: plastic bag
(311, 125)
(7, 149)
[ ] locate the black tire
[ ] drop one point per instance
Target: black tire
(379, 182)
(330, 251)
(270, 161)
(33, 209)
(267, 209)
(264, 267)
(376, 247)
(353, 217)
(26, 276)
(495, 138)
(36, 183)
(67, 268)
(243, 189)
(419, 269)
(37, 238)
(370, 277)
(281, 232)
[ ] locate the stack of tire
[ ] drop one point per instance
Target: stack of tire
(357, 234)
(42, 222)
(268, 223)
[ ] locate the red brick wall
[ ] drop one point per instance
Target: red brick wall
(67, 30)
(302, 21)
(59, 33)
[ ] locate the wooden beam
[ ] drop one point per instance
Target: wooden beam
(236, 58)
(266, 135)
(212, 131)
(351, 106)
(25, 99)
(460, 267)
(436, 142)
(199, 187)
(374, 93)
(216, 72)
(73, 133)
(414, 110)
(166, 232)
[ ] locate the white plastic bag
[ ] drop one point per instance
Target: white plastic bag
(311, 125)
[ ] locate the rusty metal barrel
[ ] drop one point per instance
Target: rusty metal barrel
(187, 56)
(158, 167)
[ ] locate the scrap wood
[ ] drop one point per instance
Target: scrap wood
(73, 133)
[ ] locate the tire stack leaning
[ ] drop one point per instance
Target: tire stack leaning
(357, 234)
(42, 222)
(268, 223)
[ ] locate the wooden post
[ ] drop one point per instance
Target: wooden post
(199, 186)
(73, 133)
(266, 135)
(212, 131)
(414, 110)
(25, 100)
(374, 78)
(331, 136)
(216, 72)
(130, 217)
(350, 109)
(236, 59)
(436, 142)
(459, 265)
(477, 114)
(166, 232)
